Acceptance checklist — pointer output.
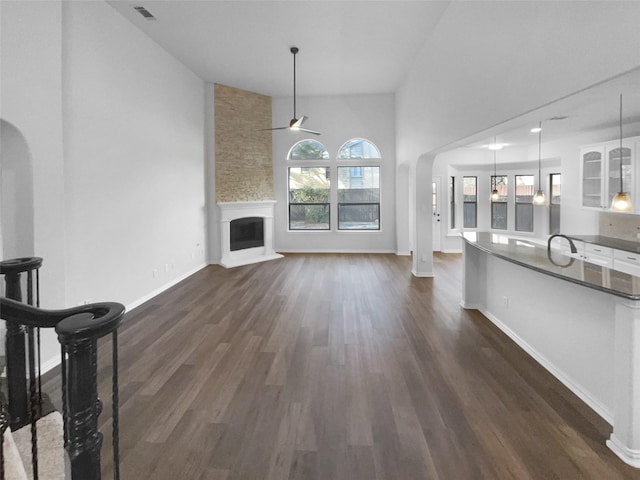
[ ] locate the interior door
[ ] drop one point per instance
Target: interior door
(435, 211)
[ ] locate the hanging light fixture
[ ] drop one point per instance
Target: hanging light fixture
(539, 198)
(622, 200)
(495, 196)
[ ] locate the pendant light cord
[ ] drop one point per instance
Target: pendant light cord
(294, 50)
(495, 171)
(539, 155)
(621, 186)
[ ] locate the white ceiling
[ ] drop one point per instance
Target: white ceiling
(346, 47)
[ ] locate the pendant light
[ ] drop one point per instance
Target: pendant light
(622, 200)
(495, 196)
(539, 198)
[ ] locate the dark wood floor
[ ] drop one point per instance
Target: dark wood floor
(339, 367)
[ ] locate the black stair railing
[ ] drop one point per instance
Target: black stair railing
(78, 332)
(18, 336)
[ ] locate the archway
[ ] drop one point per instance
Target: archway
(16, 194)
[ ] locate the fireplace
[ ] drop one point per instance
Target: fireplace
(246, 232)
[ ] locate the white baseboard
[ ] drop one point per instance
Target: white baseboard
(422, 274)
(55, 361)
(306, 250)
(454, 250)
(402, 253)
(164, 287)
(576, 388)
(627, 455)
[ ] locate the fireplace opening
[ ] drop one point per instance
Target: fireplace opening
(247, 233)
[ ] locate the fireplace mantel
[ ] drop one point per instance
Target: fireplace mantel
(234, 210)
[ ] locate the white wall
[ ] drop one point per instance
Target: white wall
(339, 119)
(31, 92)
(134, 159)
(115, 130)
(488, 62)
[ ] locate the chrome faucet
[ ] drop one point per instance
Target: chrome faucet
(571, 244)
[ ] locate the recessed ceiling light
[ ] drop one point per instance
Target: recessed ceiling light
(536, 129)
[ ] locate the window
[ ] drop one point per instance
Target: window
(358, 198)
(308, 150)
(309, 198)
(470, 207)
(452, 199)
(309, 187)
(499, 206)
(358, 148)
(555, 184)
(524, 203)
(357, 190)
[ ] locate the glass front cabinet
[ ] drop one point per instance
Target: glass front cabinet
(600, 167)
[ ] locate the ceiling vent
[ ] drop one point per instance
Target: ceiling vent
(145, 13)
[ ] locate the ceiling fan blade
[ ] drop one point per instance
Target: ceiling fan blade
(309, 131)
(274, 128)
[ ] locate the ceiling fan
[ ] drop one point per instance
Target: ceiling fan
(296, 123)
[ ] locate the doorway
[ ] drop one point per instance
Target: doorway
(435, 212)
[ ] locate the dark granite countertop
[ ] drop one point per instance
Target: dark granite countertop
(626, 245)
(534, 256)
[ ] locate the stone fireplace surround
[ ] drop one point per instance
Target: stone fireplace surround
(234, 210)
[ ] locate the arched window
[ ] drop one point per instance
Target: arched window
(359, 186)
(308, 150)
(309, 186)
(357, 148)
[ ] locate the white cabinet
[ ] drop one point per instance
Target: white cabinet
(626, 262)
(598, 255)
(600, 171)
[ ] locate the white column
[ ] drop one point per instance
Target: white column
(625, 439)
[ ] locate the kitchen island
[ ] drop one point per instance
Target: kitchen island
(581, 321)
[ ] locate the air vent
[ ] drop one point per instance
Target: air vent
(558, 118)
(144, 12)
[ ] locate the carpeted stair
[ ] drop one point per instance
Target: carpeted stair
(51, 455)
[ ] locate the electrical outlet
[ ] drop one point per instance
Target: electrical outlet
(505, 301)
(154, 272)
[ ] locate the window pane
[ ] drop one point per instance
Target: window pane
(556, 188)
(309, 198)
(308, 150)
(308, 217)
(358, 184)
(499, 215)
(524, 203)
(524, 188)
(469, 189)
(452, 198)
(469, 214)
(359, 216)
(554, 205)
(358, 198)
(470, 207)
(358, 148)
(524, 217)
(500, 184)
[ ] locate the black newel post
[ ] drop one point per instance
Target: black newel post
(15, 346)
(78, 335)
(83, 408)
